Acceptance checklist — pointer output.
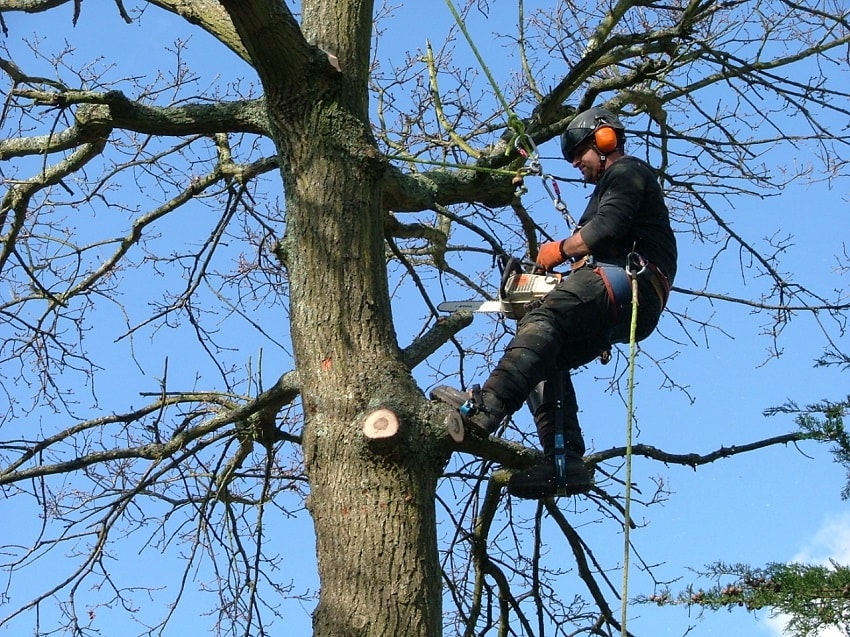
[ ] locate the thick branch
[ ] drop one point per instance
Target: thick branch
(405, 192)
(30, 6)
(211, 17)
(271, 401)
(694, 459)
(116, 110)
(436, 337)
(270, 33)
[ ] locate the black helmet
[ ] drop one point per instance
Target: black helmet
(584, 125)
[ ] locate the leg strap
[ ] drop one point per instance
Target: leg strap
(618, 284)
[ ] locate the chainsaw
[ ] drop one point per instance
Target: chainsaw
(522, 283)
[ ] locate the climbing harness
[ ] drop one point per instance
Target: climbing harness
(618, 284)
(618, 280)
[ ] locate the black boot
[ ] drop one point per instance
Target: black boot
(489, 411)
(539, 481)
(553, 404)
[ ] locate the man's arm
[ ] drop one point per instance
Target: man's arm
(574, 247)
(555, 253)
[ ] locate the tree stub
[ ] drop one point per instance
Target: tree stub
(381, 423)
(454, 425)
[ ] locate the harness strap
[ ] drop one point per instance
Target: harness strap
(560, 438)
(618, 284)
(660, 282)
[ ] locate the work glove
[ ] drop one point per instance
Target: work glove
(551, 254)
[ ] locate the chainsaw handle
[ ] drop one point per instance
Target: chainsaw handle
(512, 266)
(534, 268)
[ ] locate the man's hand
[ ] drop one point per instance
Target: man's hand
(551, 254)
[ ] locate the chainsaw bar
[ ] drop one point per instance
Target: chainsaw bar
(516, 292)
(470, 306)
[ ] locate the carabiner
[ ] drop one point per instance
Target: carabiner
(526, 147)
(635, 264)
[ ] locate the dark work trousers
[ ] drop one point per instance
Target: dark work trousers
(574, 324)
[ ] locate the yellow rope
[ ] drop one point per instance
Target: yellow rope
(627, 520)
(514, 122)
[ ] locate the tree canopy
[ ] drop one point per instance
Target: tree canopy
(226, 228)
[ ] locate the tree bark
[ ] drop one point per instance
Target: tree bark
(373, 506)
(373, 512)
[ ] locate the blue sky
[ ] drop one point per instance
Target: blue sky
(775, 505)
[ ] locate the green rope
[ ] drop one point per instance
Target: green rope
(514, 122)
(627, 520)
(446, 164)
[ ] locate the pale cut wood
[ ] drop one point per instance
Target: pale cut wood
(381, 423)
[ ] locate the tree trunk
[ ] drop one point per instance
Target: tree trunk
(373, 505)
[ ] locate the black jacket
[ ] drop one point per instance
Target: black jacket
(627, 212)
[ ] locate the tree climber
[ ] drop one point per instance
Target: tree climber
(625, 225)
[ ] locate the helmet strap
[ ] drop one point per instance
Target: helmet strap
(603, 159)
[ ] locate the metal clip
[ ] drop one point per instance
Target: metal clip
(635, 264)
(526, 147)
(473, 405)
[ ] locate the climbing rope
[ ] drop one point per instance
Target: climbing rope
(635, 265)
(521, 141)
(514, 122)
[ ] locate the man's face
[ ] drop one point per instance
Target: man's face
(586, 159)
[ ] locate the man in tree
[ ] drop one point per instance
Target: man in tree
(624, 231)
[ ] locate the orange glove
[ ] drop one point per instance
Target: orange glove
(551, 254)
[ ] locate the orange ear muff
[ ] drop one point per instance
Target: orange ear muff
(605, 139)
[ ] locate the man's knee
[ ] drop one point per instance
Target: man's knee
(538, 336)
